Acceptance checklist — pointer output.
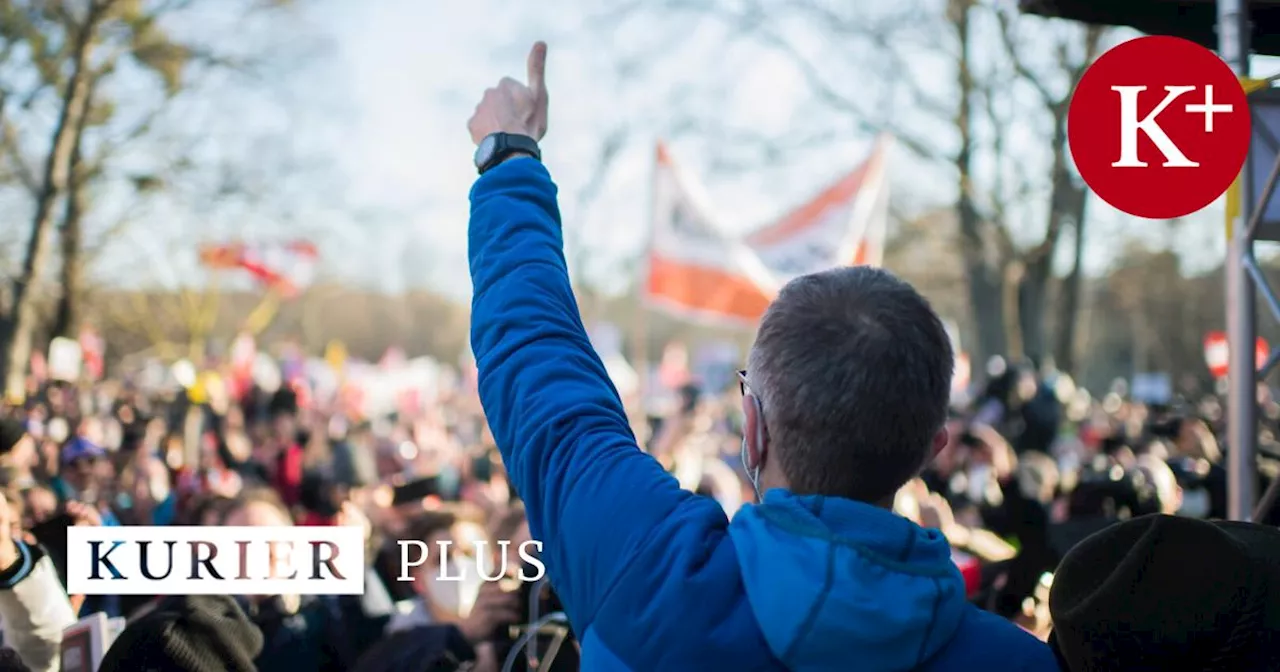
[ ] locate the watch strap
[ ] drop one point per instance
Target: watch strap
(507, 144)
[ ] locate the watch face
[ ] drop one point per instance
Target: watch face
(484, 152)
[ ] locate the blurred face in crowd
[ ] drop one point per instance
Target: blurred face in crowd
(1026, 388)
(150, 484)
(49, 452)
(235, 417)
(284, 429)
(257, 514)
(23, 454)
(81, 473)
(40, 504)
(93, 430)
(238, 445)
(259, 432)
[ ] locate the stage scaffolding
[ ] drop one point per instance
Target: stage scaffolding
(1242, 27)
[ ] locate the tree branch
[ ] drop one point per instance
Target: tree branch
(1019, 66)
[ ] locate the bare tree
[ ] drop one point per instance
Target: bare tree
(1073, 50)
(74, 55)
(75, 102)
(868, 78)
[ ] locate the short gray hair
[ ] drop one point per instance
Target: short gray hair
(853, 368)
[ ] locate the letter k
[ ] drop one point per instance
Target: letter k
(101, 559)
(1130, 125)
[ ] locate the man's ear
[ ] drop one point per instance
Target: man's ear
(940, 441)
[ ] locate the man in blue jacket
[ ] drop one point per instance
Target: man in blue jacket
(846, 392)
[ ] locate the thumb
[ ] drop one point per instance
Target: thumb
(537, 68)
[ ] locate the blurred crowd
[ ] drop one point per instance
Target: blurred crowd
(1034, 466)
(112, 453)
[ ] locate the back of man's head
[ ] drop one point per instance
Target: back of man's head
(853, 369)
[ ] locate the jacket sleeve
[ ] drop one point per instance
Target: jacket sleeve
(35, 609)
(592, 497)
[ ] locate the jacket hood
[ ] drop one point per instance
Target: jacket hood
(836, 584)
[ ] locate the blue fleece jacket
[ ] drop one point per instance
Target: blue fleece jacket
(654, 577)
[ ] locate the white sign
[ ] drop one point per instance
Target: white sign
(1152, 388)
(65, 359)
(266, 373)
(85, 643)
(177, 560)
(184, 373)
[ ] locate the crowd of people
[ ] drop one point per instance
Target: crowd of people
(832, 509)
(110, 455)
(1027, 474)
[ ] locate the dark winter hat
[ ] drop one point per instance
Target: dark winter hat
(190, 633)
(11, 432)
(1168, 593)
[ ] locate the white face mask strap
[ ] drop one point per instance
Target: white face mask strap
(753, 474)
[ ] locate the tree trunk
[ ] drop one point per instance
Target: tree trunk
(71, 303)
(1033, 289)
(1033, 299)
(986, 281)
(22, 320)
(1065, 352)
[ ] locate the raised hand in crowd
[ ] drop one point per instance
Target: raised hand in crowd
(83, 515)
(845, 395)
(494, 608)
(936, 513)
(515, 107)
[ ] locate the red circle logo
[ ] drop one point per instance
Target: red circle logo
(1159, 127)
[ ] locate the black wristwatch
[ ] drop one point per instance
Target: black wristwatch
(497, 147)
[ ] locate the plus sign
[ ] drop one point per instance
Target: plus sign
(1208, 109)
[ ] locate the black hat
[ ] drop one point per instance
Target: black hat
(193, 633)
(11, 432)
(10, 662)
(1162, 593)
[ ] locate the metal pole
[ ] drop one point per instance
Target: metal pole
(1242, 423)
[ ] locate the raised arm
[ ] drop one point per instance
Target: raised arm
(594, 499)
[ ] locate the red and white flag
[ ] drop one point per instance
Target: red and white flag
(695, 267)
(844, 225)
(287, 267)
